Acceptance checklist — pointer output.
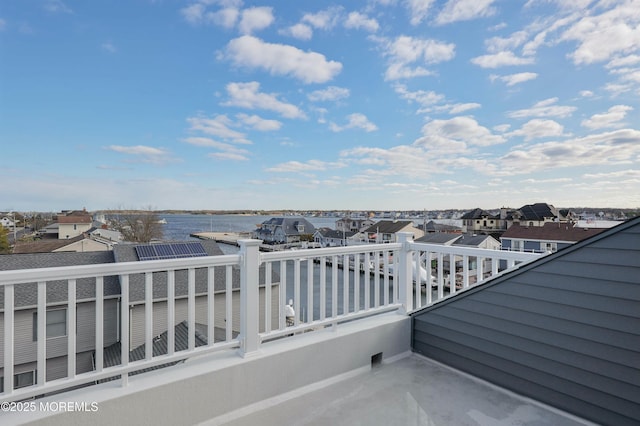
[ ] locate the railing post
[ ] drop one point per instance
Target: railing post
(249, 297)
(405, 281)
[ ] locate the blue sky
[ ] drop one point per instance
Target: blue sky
(381, 104)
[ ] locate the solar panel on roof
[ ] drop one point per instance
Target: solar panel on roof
(170, 251)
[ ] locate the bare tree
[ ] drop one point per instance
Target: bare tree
(139, 226)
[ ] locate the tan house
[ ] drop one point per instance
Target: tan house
(73, 223)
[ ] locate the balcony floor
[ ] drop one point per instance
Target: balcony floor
(411, 391)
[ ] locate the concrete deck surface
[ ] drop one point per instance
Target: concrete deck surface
(411, 391)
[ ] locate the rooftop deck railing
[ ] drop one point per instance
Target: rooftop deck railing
(279, 294)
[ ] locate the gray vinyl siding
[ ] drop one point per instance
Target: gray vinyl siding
(564, 330)
(531, 245)
(137, 319)
(25, 348)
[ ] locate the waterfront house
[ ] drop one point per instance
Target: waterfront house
(537, 215)
(481, 221)
(385, 231)
(327, 237)
(550, 237)
(353, 224)
(284, 230)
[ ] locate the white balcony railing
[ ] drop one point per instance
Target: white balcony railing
(325, 287)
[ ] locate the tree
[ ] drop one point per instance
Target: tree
(139, 226)
(5, 247)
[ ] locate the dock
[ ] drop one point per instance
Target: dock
(230, 238)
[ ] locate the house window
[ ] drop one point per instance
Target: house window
(56, 324)
(516, 245)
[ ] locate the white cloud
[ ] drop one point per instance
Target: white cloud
(3, 24)
(501, 44)
(538, 128)
(513, 79)
(279, 59)
(109, 47)
(615, 31)
(259, 123)
(219, 126)
(500, 59)
(248, 95)
(424, 98)
(456, 134)
(624, 61)
(228, 156)
(299, 31)
(622, 174)
(325, 19)
(57, 6)
(355, 121)
(227, 151)
(311, 165)
(227, 16)
(357, 20)
(193, 13)
(331, 93)
(545, 108)
(144, 154)
(610, 148)
(586, 93)
(458, 108)
(255, 18)
(405, 51)
(609, 119)
(465, 10)
(418, 10)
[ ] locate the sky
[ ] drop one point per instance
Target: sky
(351, 105)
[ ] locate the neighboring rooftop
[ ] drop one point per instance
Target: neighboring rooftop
(554, 231)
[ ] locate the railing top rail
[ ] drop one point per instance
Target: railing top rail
(473, 251)
(20, 276)
(328, 251)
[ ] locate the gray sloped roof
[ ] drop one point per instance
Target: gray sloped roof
(113, 353)
(289, 225)
(389, 226)
(472, 240)
(437, 238)
(551, 232)
(478, 213)
(27, 294)
(332, 233)
(537, 211)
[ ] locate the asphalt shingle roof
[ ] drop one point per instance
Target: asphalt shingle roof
(27, 294)
(551, 232)
(389, 226)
